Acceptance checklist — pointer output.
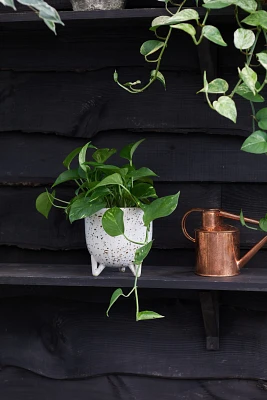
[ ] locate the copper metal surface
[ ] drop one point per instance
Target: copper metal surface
(217, 244)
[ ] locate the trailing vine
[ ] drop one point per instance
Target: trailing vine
(246, 40)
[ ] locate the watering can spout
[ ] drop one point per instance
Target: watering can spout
(251, 253)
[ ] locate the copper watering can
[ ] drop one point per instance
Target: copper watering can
(217, 244)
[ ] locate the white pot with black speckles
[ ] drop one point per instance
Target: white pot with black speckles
(91, 5)
(108, 251)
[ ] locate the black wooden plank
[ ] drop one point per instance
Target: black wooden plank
(74, 340)
(15, 382)
(34, 158)
(23, 226)
(160, 277)
(124, 14)
(84, 104)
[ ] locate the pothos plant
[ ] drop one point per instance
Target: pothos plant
(99, 185)
(249, 30)
(44, 11)
(246, 37)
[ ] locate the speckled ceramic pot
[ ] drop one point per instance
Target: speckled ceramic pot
(107, 251)
(90, 5)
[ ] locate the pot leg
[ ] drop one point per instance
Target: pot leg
(136, 269)
(96, 269)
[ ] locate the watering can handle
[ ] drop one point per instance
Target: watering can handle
(184, 223)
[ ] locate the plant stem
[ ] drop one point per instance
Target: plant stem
(135, 91)
(132, 241)
(253, 115)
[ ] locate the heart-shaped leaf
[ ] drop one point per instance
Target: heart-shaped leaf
(129, 150)
(146, 315)
(262, 57)
(188, 28)
(244, 38)
(160, 208)
(261, 117)
(181, 16)
(256, 143)
(115, 296)
(216, 4)
(249, 77)
(144, 190)
(70, 157)
(102, 155)
(150, 47)
(263, 223)
(142, 253)
(114, 179)
(257, 18)
(9, 3)
(213, 34)
(82, 208)
(245, 92)
(216, 86)
(159, 77)
(226, 107)
(69, 175)
(44, 203)
(141, 173)
(112, 222)
(248, 5)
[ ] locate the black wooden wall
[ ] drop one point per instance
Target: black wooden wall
(57, 93)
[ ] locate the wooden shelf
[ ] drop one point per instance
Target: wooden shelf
(152, 277)
(129, 15)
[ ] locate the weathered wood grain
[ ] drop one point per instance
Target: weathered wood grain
(15, 382)
(68, 338)
(37, 159)
(85, 104)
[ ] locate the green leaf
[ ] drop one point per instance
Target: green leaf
(100, 192)
(116, 76)
(244, 38)
(257, 18)
(141, 173)
(82, 208)
(261, 118)
(249, 77)
(243, 223)
(128, 151)
(213, 34)
(69, 175)
(262, 57)
(181, 16)
(160, 208)
(226, 107)
(70, 157)
(142, 253)
(102, 155)
(82, 155)
(115, 296)
(114, 179)
(44, 203)
(146, 315)
(112, 222)
(216, 86)
(216, 4)
(248, 5)
(245, 92)
(9, 3)
(263, 223)
(150, 47)
(188, 28)
(51, 25)
(143, 191)
(159, 77)
(256, 143)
